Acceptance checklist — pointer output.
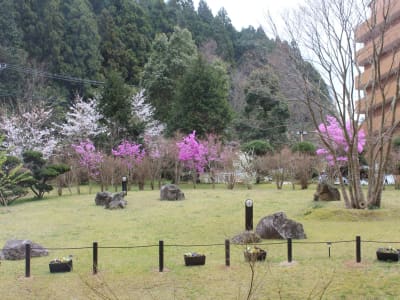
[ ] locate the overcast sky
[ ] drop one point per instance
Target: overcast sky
(251, 12)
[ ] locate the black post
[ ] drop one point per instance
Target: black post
(329, 249)
(289, 250)
(227, 253)
(161, 255)
(28, 260)
(249, 214)
(125, 185)
(95, 257)
(358, 248)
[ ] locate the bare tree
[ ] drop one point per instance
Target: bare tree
(328, 33)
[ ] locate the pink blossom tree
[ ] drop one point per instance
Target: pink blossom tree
(90, 159)
(199, 155)
(342, 146)
(214, 148)
(132, 155)
(192, 154)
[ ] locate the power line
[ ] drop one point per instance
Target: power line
(27, 70)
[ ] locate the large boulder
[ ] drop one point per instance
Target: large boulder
(278, 226)
(171, 192)
(15, 250)
(326, 192)
(117, 201)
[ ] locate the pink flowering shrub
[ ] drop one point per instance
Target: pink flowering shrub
(334, 134)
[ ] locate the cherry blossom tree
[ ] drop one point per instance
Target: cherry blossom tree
(90, 159)
(145, 113)
(193, 155)
(214, 149)
(156, 148)
(29, 131)
(132, 155)
(82, 121)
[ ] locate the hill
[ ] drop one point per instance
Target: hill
(52, 50)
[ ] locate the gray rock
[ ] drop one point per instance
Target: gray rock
(103, 198)
(117, 201)
(171, 192)
(110, 200)
(15, 250)
(278, 226)
(247, 237)
(326, 192)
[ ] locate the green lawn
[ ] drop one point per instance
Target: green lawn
(206, 217)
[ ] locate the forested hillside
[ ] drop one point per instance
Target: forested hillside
(192, 67)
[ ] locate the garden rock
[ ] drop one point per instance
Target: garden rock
(171, 192)
(278, 226)
(15, 250)
(103, 198)
(247, 237)
(117, 201)
(110, 200)
(326, 192)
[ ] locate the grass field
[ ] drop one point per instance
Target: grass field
(206, 217)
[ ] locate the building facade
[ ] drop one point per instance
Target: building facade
(380, 60)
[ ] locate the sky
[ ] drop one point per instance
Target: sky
(251, 12)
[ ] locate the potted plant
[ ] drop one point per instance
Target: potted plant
(194, 259)
(388, 254)
(254, 253)
(63, 264)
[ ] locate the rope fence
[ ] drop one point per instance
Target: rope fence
(161, 245)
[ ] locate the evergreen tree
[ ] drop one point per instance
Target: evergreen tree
(115, 106)
(42, 172)
(224, 34)
(202, 103)
(266, 112)
(158, 16)
(11, 52)
(168, 61)
(80, 51)
(126, 34)
(204, 29)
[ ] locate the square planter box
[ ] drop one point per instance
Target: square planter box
(381, 254)
(261, 255)
(195, 260)
(56, 267)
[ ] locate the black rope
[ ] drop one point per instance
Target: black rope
(212, 245)
(381, 242)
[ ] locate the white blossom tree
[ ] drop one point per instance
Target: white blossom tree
(82, 121)
(145, 113)
(29, 131)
